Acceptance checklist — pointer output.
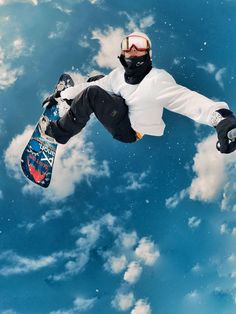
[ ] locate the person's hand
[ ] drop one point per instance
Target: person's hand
(228, 123)
(51, 100)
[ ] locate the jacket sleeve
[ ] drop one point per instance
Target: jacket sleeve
(72, 92)
(182, 100)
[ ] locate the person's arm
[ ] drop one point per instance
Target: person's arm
(182, 100)
(72, 92)
(201, 109)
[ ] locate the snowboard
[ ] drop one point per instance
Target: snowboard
(39, 154)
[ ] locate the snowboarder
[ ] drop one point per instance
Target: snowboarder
(129, 101)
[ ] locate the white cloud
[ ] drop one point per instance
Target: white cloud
(138, 22)
(147, 21)
(6, 18)
(9, 75)
(228, 201)
(80, 304)
(176, 61)
(95, 1)
(116, 264)
(224, 229)
(60, 31)
(53, 214)
(109, 47)
(127, 252)
(133, 182)
(17, 48)
(209, 67)
(228, 293)
(8, 311)
(6, 2)
(18, 45)
(123, 302)
(213, 174)
(225, 269)
(70, 263)
(174, 200)
(219, 77)
(132, 25)
(21, 265)
(28, 226)
(74, 261)
(83, 42)
(196, 268)
(12, 50)
(231, 258)
(12, 154)
(132, 21)
(2, 55)
(141, 307)
(49, 215)
(128, 240)
(2, 128)
(91, 233)
(77, 259)
(192, 296)
(147, 252)
(194, 222)
(74, 163)
(212, 69)
(210, 169)
(234, 231)
(133, 272)
(213, 177)
(84, 245)
(62, 9)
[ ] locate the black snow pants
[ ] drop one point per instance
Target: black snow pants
(109, 109)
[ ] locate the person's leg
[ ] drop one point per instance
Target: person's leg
(110, 110)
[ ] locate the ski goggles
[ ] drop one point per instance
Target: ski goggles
(138, 42)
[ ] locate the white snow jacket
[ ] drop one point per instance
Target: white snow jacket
(147, 99)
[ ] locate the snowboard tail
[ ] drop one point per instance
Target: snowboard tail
(39, 154)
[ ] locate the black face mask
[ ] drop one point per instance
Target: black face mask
(136, 68)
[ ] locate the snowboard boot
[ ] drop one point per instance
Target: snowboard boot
(43, 124)
(51, 132)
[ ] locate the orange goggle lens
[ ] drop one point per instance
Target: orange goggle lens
(140, 43)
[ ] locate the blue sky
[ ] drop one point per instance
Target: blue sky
(139, 229)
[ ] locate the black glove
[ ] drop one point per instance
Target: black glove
(224, 145)
(64, 82)
(51, 100)
(95, 78)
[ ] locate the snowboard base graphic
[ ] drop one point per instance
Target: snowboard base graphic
(39, 154)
